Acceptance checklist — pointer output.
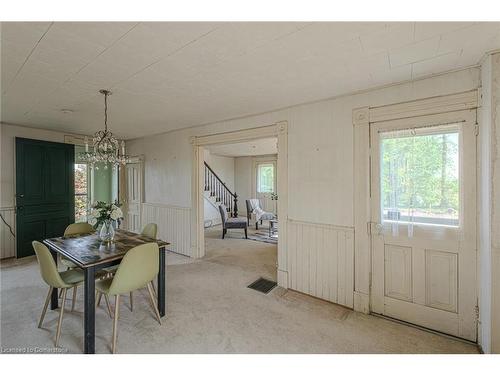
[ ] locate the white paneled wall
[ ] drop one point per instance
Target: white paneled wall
(321, 261)
(174, 225)
(7, 240)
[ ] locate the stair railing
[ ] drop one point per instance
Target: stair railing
(220, 191)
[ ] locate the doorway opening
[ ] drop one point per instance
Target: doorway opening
(240, 189)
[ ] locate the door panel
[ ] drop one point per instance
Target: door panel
(44, 191)
(423, 204)
(134, 180)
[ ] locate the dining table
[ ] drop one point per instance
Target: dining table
(91, 254)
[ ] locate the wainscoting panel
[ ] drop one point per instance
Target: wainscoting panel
(173, 223)
(7, 240)
(321, 261)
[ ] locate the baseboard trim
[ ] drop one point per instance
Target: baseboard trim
(282, 278)
(361, 302)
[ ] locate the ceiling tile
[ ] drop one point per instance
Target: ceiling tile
(425, 30)
(168, 75)
(414, 52)
(435, 65)
(390, 37)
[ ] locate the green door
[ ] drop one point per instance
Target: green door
(45, 191)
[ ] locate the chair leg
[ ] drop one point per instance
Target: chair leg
(154, 290)
(73, 302)
(246, 233)
(47, 300)
(98, 299)
(155, 307)
(223, 232)
(108, 305)
(115, 323)
(131, 297)
(256, 225)
(61, 313)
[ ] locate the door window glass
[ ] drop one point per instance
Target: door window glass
(265, 178)
(420, 175)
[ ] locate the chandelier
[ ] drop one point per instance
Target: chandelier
(105, 147)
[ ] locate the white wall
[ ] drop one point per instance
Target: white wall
(490, 202)
(320, 164)
(243, 181)
(320, 144)
(223, 166)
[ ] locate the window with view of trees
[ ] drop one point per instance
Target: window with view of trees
(420, 176)
(81, 192)
(265, 178)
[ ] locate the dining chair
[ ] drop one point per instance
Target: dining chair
(55, 279)
(137, 270)
(150, 230)
(75, 229)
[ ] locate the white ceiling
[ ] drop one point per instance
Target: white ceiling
(264, 146)
(170, 75)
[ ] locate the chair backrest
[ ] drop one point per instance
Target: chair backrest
(138, 267)
(78, 228)
(223, 214)
(252, 204)
(48, 267)
(150, 230)
(249, 207)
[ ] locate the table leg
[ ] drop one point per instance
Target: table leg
(89, 311)
(161, 283)
(54, 298)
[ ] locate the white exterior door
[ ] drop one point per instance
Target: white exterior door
(134, 178)
(265, 184)
(423, 230)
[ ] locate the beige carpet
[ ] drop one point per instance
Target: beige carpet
(210, 310)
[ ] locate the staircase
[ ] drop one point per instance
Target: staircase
(218, 190)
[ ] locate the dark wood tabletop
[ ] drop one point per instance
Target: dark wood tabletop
(89, 250)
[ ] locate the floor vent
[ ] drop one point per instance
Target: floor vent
(263, 285)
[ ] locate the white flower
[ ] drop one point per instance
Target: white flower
(116, 213)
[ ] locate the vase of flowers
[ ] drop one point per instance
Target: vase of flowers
(105, 215)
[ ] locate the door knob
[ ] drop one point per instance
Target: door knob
(20, 195)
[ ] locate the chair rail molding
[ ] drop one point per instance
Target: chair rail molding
(361, 120)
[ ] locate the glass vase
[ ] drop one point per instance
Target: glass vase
(107, 233)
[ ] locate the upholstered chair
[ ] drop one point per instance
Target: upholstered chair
(231, 222)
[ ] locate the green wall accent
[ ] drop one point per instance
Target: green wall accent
(102, 184)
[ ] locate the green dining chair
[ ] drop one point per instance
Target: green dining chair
(75, 229)
(137, 270)
(55, 279)
(150, 230)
